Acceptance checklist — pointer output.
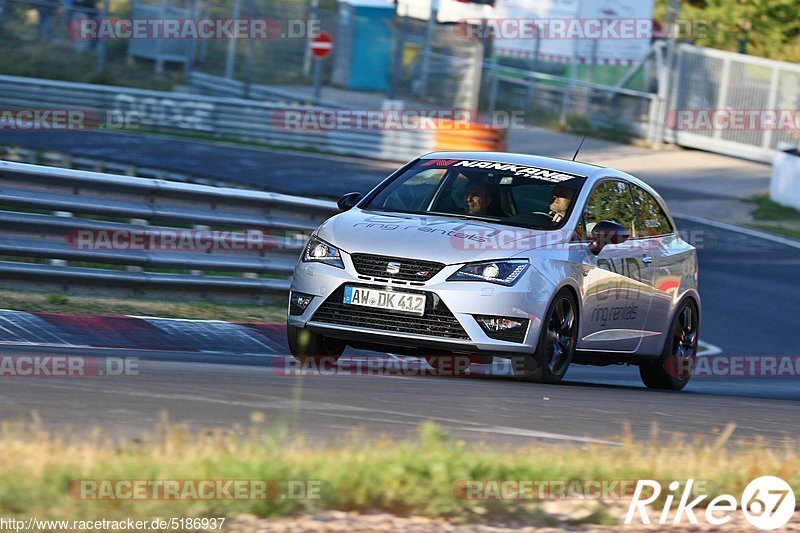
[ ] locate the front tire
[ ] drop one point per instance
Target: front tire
(673, 370)
(557, 341)
(308, 347)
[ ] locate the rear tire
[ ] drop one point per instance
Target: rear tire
(557, 340)
(308, 347)
(673, 370)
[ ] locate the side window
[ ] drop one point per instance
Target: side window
(610, 200)
(652, 220)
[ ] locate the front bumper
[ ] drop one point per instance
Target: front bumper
(527, 299)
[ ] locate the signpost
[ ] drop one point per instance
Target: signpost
(321, 47)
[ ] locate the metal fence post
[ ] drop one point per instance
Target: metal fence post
(101, 49)
(162, 12)
(537, 45)
(401, 30)
(665, 76)
(587, 101)
(426, 48)
(568, 91)
(473, 101)
(188, 65)
(248, 60)
(772, 103)
(317, 86)
(230, 60)
(722, 95)
(313, 16)
(495, 77)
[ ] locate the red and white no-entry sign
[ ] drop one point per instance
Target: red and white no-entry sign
(321, 45)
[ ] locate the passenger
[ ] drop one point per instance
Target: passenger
(561, 199)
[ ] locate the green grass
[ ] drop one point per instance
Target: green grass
(772, 217)
(779, 230)
(357, 473)
(20, 57)
(95, 305)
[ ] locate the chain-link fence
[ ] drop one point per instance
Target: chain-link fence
(446, 73)
(282, 58)
(568, 102)
(390, 50)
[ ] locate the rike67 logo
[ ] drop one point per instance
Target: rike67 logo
(767, 502)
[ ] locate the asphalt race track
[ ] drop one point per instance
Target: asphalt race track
(285, 172)
(750, 303)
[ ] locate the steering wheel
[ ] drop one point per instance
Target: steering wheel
(548, 215)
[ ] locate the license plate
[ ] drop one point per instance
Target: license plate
(403, 302)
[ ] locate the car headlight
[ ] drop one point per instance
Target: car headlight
(505, 272)
(320, 251)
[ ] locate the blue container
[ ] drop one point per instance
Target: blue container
(363, 45)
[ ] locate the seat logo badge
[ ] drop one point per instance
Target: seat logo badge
(423, 273)
(392, 267)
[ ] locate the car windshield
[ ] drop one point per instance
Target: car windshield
(511, 194)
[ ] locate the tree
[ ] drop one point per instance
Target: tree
(765, 28)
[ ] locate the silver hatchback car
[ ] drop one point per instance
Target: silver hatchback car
(545, 261)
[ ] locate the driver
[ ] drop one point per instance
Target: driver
(476, 198)
(560, 202)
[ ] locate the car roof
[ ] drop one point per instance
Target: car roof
(551, 163)
(593, 173)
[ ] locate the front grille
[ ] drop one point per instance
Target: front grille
(410, 269)
(437, 321)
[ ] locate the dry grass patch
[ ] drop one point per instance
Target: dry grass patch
(358, 474)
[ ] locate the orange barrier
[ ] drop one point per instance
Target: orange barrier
(468, 136)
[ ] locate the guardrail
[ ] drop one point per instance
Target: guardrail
(269, 123)
(231, 118)
(221, 86)
(110, 233)
(53, 158)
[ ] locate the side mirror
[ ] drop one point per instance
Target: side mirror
(607, 232)
(349, 200)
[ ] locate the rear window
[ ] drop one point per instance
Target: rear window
(652, 219)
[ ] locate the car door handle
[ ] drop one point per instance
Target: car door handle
(647, 259)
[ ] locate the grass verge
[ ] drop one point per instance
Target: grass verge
(95, 305)
(19, 57)
(357, 474)
(772, 217)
